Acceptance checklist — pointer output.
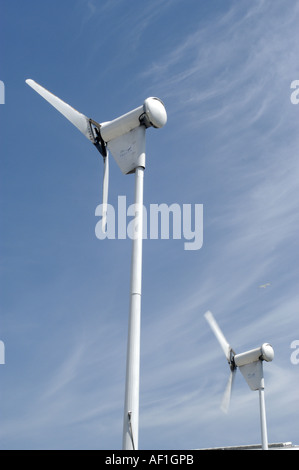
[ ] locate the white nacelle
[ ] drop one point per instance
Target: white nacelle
(151, 113)
(265, 353)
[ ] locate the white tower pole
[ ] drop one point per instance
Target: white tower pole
(131, 408)
(263, 416)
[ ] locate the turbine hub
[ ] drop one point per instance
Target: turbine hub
(154, 113)
(267, 352)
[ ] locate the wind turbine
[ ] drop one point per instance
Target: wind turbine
(250, 364)
(125, 138)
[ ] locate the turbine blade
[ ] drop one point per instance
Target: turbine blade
(219, 335)
(228, 391)
(75, 117)
(105, 191)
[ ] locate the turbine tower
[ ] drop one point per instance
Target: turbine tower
(124, 137)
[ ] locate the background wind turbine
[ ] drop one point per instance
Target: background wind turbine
(250, 364)
(125, 138)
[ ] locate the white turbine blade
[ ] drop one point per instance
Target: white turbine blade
(219, 335)
(77, 119)
(105, 191)
(228, 391)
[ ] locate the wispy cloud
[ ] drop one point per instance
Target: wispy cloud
(233, 65)
(231, 79)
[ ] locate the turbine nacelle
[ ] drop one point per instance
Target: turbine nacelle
(125, 135)
(151, 114)
(264, 353)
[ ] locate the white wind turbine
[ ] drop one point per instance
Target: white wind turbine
(250, 364)
(125, 138)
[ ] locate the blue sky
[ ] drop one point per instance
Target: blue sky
(231, 143)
